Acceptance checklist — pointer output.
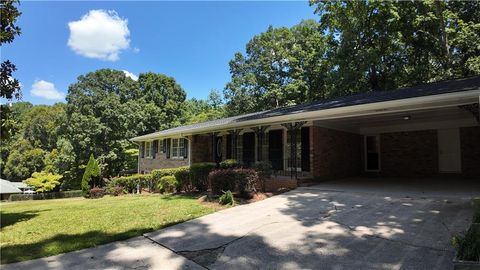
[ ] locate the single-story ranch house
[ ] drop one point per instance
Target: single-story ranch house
(423, 131)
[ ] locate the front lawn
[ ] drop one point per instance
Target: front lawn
(35, 229)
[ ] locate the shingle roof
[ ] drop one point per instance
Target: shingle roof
(436, 88)
(6, 187)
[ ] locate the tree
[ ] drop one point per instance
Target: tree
(282, 66)
(23, 160)
(40, 125)
(215, 99)
(9, 86)
(91, 177)
(44, 181)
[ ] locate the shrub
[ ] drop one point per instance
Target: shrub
(229, 163)
(130, 183)
(468, 245)
(199, 174)
(226, 198)
(240, 180)
(46, 196)
(116, 191)
(183, 179)
(96, 193)
(43, 181)
(167, 184)
(157, 174)
(91, 176)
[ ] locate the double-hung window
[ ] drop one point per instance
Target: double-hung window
(178, 148)
(148, 149)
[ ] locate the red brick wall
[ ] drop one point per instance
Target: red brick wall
(335, 154)
(409, 154)
(470, 148)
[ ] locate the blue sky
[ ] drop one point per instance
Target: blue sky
(190, 41)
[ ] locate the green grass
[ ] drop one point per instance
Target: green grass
(34, 229)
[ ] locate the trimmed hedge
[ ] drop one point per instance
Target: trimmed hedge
(46, 196)
(199, 174)
(129, 183)
(240, 180)
(167, 184)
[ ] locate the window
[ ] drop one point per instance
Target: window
(178, 148)
(161, 148)
(148, 149)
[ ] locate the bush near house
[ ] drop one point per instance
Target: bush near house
(130, 183)
(226, 198)
(240, 180)
(96, 193)
(229, 163)
(199, 174)
(264, 170)
(167, 184)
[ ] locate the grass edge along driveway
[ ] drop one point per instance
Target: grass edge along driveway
(35, 229)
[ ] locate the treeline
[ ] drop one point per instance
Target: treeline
(356, 46)
(104, 110)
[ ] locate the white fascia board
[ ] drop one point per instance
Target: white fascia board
(401, 105)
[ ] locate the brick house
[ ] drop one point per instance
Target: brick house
(422, 131)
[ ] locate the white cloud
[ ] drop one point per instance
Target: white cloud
(136, 50)
(46, 90)
(99, 34)
(130, 75)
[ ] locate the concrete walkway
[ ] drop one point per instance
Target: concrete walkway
(336, 225)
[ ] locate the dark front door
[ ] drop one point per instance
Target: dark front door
(248, 148)
(305, 149)
(275, 149)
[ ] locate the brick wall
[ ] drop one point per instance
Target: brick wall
(470, 149)
(160, 162)
(201, 146)
(335, 154)
(409, 154)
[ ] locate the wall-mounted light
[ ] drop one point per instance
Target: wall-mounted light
(407, 117)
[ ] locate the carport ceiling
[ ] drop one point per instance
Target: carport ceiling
(398, 121)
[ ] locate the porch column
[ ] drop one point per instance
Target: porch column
(260, 132)
(293, 128)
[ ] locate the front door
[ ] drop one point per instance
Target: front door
(449, 150)
(248, 148)
(275, 149)
(305, 149)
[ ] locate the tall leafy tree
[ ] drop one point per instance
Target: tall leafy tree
(9, 86)
(91, 177)
(282, 66)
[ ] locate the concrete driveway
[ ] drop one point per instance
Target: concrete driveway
(348, 224)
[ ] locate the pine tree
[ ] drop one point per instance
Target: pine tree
(91, 176)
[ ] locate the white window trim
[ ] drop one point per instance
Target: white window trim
(148, 150)
(178, 148)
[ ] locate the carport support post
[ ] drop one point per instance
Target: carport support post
(293, 128)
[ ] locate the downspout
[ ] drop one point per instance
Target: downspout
(189, 150)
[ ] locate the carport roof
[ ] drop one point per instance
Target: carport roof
(430, 89)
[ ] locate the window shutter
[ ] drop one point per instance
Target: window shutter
(142, 149)
(168, 142)
(155, 148)
(164, 145)
(185, 143)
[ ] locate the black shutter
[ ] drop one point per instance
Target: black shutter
(155, 148)
(168, 142)
(185, 143)
(164, 145)
(142, 149)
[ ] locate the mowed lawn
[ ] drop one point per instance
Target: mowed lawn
(33, 229)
